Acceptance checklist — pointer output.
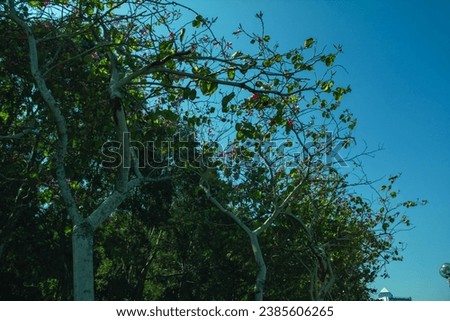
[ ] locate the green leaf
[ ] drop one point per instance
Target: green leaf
(182, 33)
(328, 60)
(308, 42)
(240, 135)
(169, 115)
(36, 3)
(197, 22)
(231, 73)
(225, 100)
(267, 63)
(409, 204)
(236, 54)
(90, 10)
(4, 115)
(327, 85)
(189, 94)
(192, 94)
(208, 88)
(165, 46)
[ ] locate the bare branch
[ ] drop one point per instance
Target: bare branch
(278, 209)
(16, 136)
(230, 214)
(152, 67)
(53, 105)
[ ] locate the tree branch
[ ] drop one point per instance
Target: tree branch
(151, 67)
(241, 85)
(278, 209)
(16, 136)
(230, 214)
(60, 121)
(112, 202)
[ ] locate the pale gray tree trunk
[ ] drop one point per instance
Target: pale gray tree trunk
(254, 241)
(253, 234)
(83, 262)
(262, 269)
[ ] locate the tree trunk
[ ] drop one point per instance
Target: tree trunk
(83, 263)
(262, 269)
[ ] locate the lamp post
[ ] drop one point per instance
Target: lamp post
(444, 271)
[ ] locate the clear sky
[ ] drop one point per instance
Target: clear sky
(397, 58)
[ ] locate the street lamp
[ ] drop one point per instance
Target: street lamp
(444, 271)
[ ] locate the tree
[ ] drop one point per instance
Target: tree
(112, 76)
(191, 253)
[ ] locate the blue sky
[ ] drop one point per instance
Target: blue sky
(397, 58)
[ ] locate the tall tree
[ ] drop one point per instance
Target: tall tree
(88, 59)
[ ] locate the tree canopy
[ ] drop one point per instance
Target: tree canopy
(203, 171)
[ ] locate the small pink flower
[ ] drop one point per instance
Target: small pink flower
(290, 123)
(171, 35)
(46, 3)
(193, 47)
(229, 45)
(255, 96)
(216, 43)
